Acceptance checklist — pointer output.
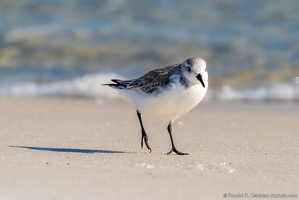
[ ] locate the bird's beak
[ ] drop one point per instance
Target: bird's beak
(199, 77)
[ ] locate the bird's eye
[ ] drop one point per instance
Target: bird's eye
(189, 68)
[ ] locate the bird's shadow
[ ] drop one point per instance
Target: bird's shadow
(70, 150)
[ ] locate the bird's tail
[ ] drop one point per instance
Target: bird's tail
(118, 84)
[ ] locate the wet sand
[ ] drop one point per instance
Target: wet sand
(74, 149)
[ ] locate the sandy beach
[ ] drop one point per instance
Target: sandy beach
(73, 149)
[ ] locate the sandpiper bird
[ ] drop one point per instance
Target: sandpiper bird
(167, 93)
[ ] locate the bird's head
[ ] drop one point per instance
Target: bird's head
(195, 70)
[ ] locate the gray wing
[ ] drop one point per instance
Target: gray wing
(153, 80)
(148, 83)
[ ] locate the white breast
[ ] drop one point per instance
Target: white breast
(171, 103)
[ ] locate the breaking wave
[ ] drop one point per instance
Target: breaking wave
(90, 86)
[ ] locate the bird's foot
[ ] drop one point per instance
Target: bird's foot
(145, 140)
(173, 149)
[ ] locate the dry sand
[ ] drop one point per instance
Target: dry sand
(73, 149)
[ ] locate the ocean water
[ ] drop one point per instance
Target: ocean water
(69, 48)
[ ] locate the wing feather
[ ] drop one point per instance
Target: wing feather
(152, 80)
(148, 83)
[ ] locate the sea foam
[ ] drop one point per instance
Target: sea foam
(90, 86)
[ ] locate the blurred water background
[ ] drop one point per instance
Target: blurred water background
(69, 47)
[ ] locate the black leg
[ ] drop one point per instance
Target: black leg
(144, 135)
(173, 149)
